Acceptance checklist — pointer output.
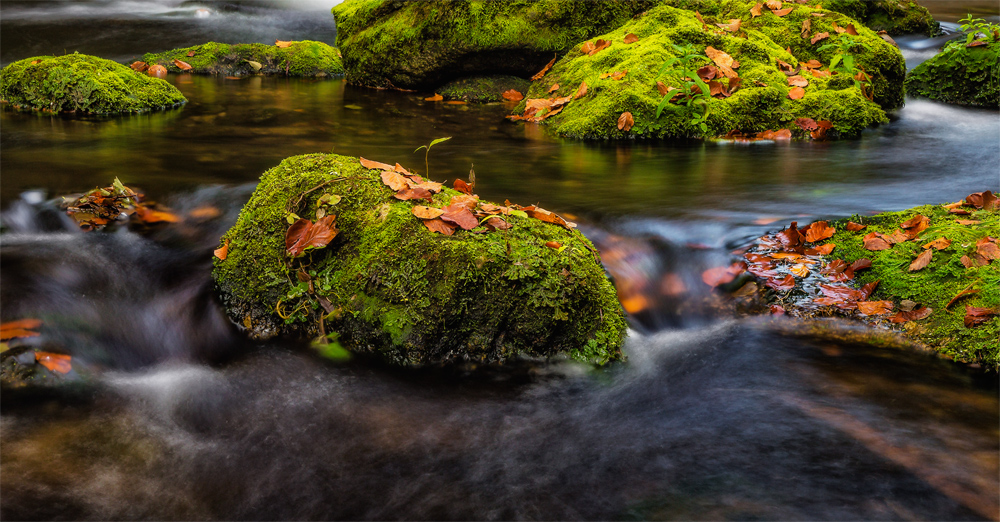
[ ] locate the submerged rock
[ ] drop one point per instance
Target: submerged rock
(895, 17)
(423, 45)
(771, 52)
(483, 89)
(960, 75)
(391, 287)
(302, 58)
(82, 83)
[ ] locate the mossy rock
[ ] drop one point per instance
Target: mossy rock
(761, 103)
(423, 45)
(302, 58)
(82, 83)
(935, 285)
(483, 89)
(895, 17)
(406, 294)
(960, 75)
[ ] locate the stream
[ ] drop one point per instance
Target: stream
(169, 413)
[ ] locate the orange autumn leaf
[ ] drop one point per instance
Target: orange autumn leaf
(369, 164)
(921, 261)
(854, 227)
(395, 180)
(822, 250)
(796, 93)
(456, 102)
(55, 362)
(554, 88)
(184, 66)
(799, 269)
(222, 251)
(461, 216)
(783, 12)
(581, 92)
(513, 95)
(436, 97)
(625, 121)
(412, 193)
(190, 53)
(19, 328)
(462, 186)
(631, 38)
(732, 26)
(553, 244)
(938, 244)
(773, 4)
(439, 226)
(721, 275)
(139, 66)
(206, 212)
(725, 62)
(423, 212)
(304, 234)
(819, 231)
(540, 74)
(818, 37)
(755, 11)
(874, 307)
(797, 81)
(281, 44)
(148, 215)
(782, 285)
(157, 71)
(875, 243)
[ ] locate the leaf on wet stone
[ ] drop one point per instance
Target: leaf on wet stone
(806, 124)
(782, 285)
(874, 307)
(821, 250)
(630, 39)
(19, 328)
(184, 66)
(304, 235)
(800, 270)
(625, 122)
(819, 37)
(975, 316)
(512, 95)
(56, 362)
(921, 261)
(819, 231)
(157, 71)
(222, 251)
(796, 93)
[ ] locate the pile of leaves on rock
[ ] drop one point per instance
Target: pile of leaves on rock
(117, 203)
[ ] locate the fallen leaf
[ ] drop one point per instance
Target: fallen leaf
(157, 71)
(842, 293)
(806, 27)
(281, 44)
(861, 264)
(967, 221)
(939, 243)
(964, 293)
(822, 250)
(395, 180)
(806, 124)
(796, 93)
(139, 66)
(708, 72)
(222, 251)
(256, 66)
(19, 328)
(724, 61)
(540, 74)
(625, 121)
(554, 88)
(776, 309)
(439, 226)
(553, 244)
(800, 269)
(782, 134)
(618, 75)
(720, 275)
(773, 4)
(797, 81)
(581, 91)
(820, 74)
(304, 234)
(782, 285)
(456, 102)
(921, 261)
(915, 225)
(977, 316)
(631, 38)
(854, 227)
(783, 12)
(423, 212)
(819, 231)
(819, 37)
(461, 216)
(976, 260)
(205, 212)
(184, 66)
(732, 26)
(148, 215)
(55, 362)
(462, 186)
(412, 193)
(663, 89)
(436, 97)
(987, 249)
(369, 164)
(190, 53)
(874, 307)
(512, 95)
(918, 313)
(982, 200)
(976, 43)
(811, 64)
(850, 29)
(755, 11)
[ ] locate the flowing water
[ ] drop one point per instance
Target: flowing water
(170, 413)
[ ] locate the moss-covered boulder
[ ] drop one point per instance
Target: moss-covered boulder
(955, 267)
(895, 17)
(762, 100)
(960, 75)
(82, 83)
(483, 89)
(391, 287)
(422, 45)
(302, 58)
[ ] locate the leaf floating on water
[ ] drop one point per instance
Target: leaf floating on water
(921, 261)
(148, 215)
(436, 97)
(625, 121)
(56, 362)
(18, 329)
(222, 251)
(513, 95)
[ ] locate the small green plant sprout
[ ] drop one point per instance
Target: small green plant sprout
(843, 60)
(427, 149)
(695, 92)
(978, 26)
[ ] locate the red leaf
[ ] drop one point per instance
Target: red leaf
(462, 187)
(918, 313)
(461, 216)
(821, 250)
(842, 293)
(782, 285)
(436, 225)
(861, 264)
(304, 234)
(721, 275)
(819, 231)
(874, 307)
(806, 124)
(513, 95)
(790, 237)
(55, 362)
(854, 227)
(977, 316)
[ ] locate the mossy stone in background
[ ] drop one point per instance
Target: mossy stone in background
(483, 89)
(408, 295)
(423, 45)
(303, 58)
(895, 17)
(960, 75)
(82, 83)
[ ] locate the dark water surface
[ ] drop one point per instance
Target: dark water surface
(171, 414)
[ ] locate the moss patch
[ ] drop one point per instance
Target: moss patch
(895, 17)
(426, 44)
(409, 295)
(959, 74)
(762, 101)
(483, 89)
(936, 284)
(303, 58)
(82, 83)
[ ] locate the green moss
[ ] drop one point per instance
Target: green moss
(895, 17)
(936, 284)
(409, 295)
(78, 82)
(302, 58)
(483, 89)
(762, 101)
(429, 43)
(959, 74)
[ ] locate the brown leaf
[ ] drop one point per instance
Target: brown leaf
(977, 259)
(619, 75)
(964, 293)
(822, 250)
(967, 221)
(849, 29)
(395, 180)
(872, 242)
(55, 362)
(939, 243)
(725, 62)
(304, 234)
(819, 231)
(918, 313)
(281, 44)
(157, 71)
(796, 93)
(818, 37)
(540, 74)
(987, 249)
(755, 11)
(708, 72)
(439, 226)
(554, 88)
(800, 269)
(184, 66)
(790, 238)
(916, 225)
(631, 38)
(861, 264)
(842, 293)
(581, 91)
(436, 97)
(222, 251)
(139, 66)
(806, 27)
(773, 4)
(625, 121)
(921, 261)
(19, 328)
(663, 89)
(462, 186)
(976, 43)
(496, 223)
(190, 53)
(782, 285)
(797, 81)
(464, 200)
(982, 200)
(553, 244)
(148, 215)
(461, 216)
(456, 102)
(412, 193)
(369, 164)
(783, 12)
(806, 124)
(854, 227)
(423, 212)
(977, 316)
(874, 307)
(721, 275)
(732, 26)
(513, 95)
(811, 64)
(587, 47)
(785, 67)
